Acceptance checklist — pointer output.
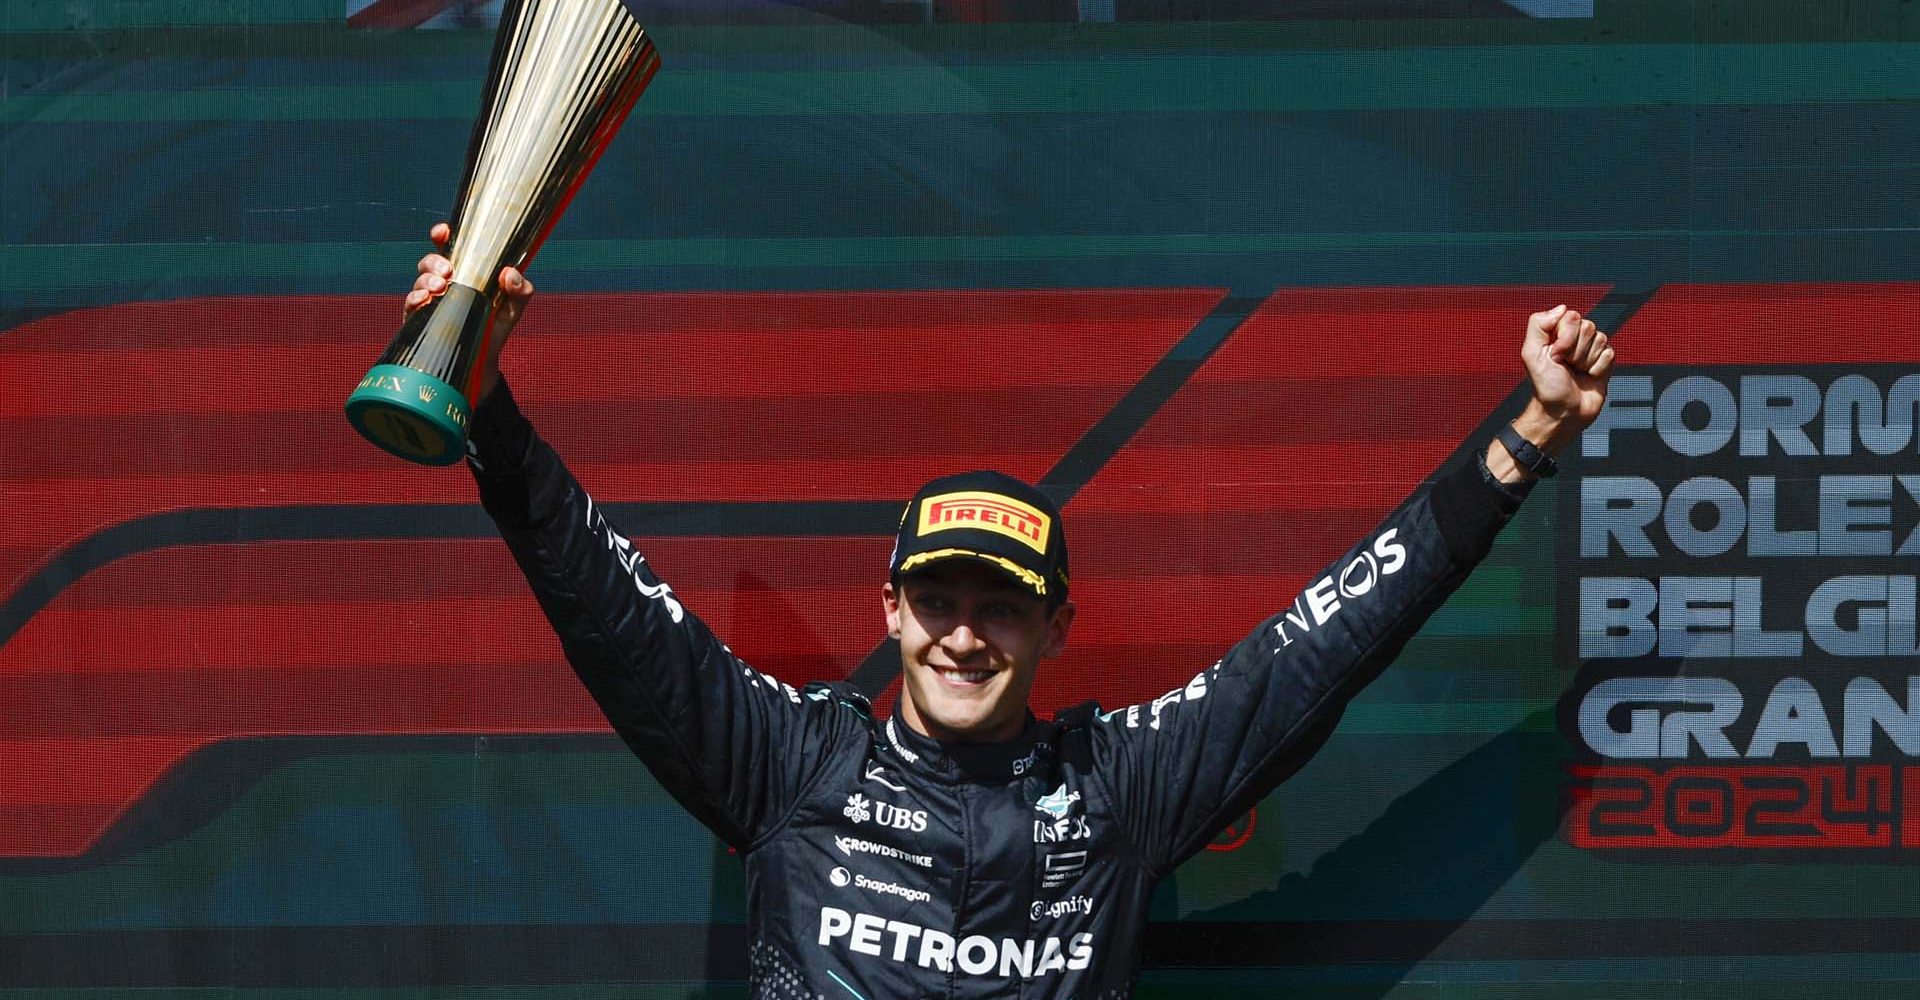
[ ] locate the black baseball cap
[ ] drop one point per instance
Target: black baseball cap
(990, 517)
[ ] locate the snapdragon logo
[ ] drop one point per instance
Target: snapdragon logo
(977, 955)
(843, 878)
(893, 889)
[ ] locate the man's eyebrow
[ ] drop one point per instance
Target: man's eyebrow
(998, 583)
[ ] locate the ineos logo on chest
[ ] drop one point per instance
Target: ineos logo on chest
(1065, 820)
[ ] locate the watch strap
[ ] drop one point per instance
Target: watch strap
(1526, 453)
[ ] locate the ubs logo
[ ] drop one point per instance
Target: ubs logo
(861, 809)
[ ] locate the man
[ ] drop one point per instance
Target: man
(963, 848)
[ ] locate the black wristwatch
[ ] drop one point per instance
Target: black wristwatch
(1525, 454)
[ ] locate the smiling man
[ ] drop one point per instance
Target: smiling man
(978, 597)
(963, 847)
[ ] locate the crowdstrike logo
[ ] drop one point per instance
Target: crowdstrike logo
(860, 809)
(928, 948)
(850, 846)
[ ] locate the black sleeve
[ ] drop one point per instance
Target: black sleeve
(1188, 762)
(730, 743)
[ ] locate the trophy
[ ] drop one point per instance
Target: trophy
(563, 75)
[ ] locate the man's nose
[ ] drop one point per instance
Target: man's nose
(963, 641)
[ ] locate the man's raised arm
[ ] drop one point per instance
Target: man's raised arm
(1190, 761)
(731, 744)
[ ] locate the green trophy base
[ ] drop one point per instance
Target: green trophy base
(410, 414)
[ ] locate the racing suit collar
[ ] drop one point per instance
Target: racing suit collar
(1000, 761)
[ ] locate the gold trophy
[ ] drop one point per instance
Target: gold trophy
(563, 76)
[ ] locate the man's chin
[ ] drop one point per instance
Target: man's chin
(962, 725)
(966, 721)
(962, 712)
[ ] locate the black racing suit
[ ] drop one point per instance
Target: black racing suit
(884, 866)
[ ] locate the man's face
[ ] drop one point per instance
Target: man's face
(970, 641)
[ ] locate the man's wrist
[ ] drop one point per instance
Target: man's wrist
(499, 435)
(1543, 429)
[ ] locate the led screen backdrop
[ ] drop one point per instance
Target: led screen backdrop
(279, 719)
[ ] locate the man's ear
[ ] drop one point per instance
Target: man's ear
(890, 601)
(1057, 629)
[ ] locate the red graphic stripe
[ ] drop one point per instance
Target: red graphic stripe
(75, 790)
(1329, 366)
(367, 321)
(723, 430)
(276, 573)
(672, 396)
(1366, 333)
(687, 397)
(1786, 324)
(1321, 413)
(755, 615)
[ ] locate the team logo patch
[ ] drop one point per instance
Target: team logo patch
(1063, 867)
(1065, 823)
(1057, 802)
(1001, 515)
(860, 809)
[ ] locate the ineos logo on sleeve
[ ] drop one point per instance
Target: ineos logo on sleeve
(1321, 600)
(633, 562)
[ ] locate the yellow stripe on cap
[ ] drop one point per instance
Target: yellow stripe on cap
(995, 512)
(1018, 572)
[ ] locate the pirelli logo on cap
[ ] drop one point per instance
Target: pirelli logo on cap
(1002, 515)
